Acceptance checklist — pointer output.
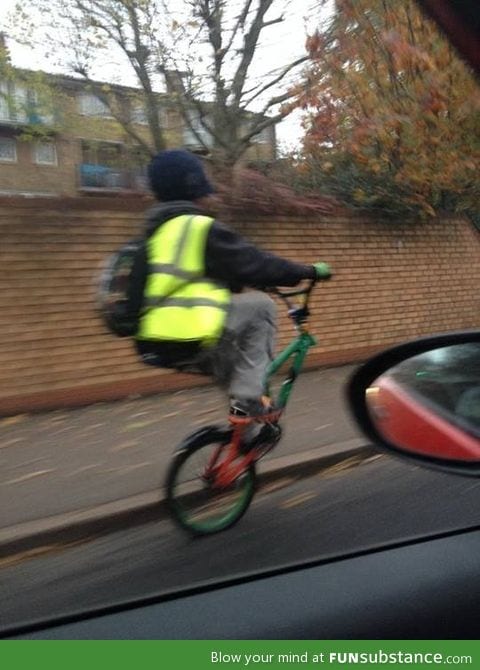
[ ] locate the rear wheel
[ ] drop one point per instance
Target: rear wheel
(196, 500)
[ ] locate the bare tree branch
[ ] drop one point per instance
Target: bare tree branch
(280, 19)
(275, 81)
(248, 51)
(240, 23)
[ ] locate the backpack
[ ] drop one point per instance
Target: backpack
(121, 286)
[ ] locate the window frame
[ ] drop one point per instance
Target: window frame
(263, 137)
(83, 96)
(35, 152)
(13, 143)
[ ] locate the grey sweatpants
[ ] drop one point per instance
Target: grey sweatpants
(241, 357)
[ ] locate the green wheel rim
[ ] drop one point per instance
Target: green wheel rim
(203, 510)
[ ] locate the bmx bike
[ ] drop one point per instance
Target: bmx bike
(211, 480)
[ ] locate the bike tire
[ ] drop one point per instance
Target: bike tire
(194, 505)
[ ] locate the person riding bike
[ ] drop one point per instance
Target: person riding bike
(196, 313)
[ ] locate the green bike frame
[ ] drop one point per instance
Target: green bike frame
(297, 350)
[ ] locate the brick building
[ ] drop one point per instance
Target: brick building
(58, 138)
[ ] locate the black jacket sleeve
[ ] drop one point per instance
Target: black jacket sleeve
(238, 263)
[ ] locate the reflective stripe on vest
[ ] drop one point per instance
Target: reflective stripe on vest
(180, 303)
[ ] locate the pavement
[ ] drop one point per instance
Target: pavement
(71, 473)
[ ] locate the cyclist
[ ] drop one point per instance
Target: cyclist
(195, 312)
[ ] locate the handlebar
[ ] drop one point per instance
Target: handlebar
(297, 314)
(292, 294)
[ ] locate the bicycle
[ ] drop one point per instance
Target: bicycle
(211, 480)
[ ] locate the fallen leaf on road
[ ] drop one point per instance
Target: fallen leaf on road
(15, 559)
(125, 469)
(10, 443)
(140, 424)
(327, 425)
(124, 445)
(205, 412)
(278, 484)
(31, 475)
(341, 466)
(297, 500)
(84, 468)
(12, 420)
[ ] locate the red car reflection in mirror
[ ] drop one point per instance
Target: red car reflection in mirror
(410, 423)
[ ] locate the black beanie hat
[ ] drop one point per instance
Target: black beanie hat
(178, 175)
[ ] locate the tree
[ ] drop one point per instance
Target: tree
(393, 114)
(206, 50)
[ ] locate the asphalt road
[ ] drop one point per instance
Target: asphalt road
(348, 507)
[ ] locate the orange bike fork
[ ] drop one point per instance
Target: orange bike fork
(228, 463)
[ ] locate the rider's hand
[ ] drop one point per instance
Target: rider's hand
(322, 270)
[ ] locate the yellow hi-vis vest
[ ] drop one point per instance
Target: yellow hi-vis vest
(179, 302)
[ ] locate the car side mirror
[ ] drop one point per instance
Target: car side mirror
(421, 400)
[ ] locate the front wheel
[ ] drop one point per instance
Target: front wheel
(196, 500)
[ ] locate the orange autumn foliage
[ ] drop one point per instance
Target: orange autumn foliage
(392, 107)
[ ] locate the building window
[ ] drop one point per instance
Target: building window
(45, 153)
(90, 105)
(18, 103)
(14, 99)
(195, 134)
(4, 101)
(22, 103)
(102, 165)
(263, 137)
(171, 120)
(8, 150)
(98, 152)
(111, 165)
(139, 115)
(163, 118)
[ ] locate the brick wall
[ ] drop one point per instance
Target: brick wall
(392, 283)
